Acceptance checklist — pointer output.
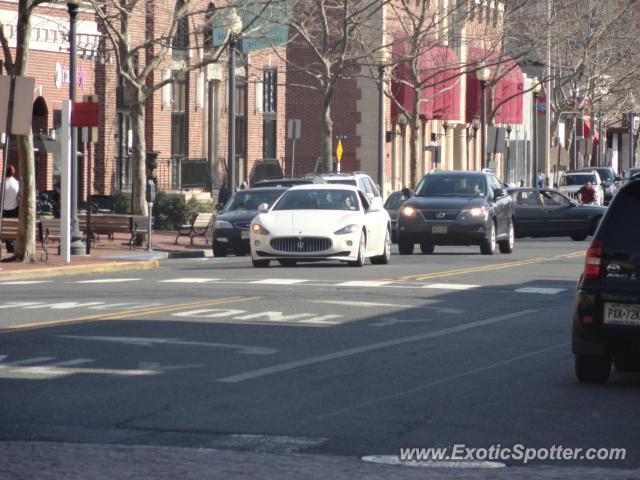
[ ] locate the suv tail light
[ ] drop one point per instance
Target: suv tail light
(593, 261)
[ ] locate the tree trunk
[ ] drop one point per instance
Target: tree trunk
(327, 137)
(138, 174)
(414, 148)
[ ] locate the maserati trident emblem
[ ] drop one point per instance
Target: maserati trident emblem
(300, 244)
(440, 215)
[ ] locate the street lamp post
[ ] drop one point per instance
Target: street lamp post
(475, 125)
(381, 58)
(77, 247)
(537, 86)
(483, 76)
(234, 27)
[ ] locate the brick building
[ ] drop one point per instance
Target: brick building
(186, 122)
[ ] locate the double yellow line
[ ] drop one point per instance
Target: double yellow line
(127, 313)
(487, 268)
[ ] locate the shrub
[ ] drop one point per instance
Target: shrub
(170, 210)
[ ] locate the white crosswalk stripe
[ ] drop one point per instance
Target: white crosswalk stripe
(279, 281)
(109, 280)
(450, 286)
(363, 283)
(189, 280)
(544, 291)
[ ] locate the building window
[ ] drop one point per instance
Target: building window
(270, 88)
(180, 43)
(179, 115)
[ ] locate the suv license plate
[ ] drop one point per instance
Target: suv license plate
(439, 229)
(244, 234)
(622, 314)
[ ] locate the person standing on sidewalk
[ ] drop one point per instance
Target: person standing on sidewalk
(10, 206)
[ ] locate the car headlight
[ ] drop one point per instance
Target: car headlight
(408, 211)
(223, 224)
(259, 229)
(474, 212)
(348, 229)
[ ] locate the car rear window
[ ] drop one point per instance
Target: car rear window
(620, 226)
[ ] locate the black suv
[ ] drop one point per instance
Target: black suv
(457, 208)
(606, 310)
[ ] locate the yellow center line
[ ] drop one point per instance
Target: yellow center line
(485, 268)
(126, 313)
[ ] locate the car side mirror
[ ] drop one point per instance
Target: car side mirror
(617, 179)
(375, 205)
(219, 206)
(499, 192)
(263, 207)
(406, 192)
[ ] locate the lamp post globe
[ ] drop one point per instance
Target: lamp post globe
(482, 74)
(381, 59)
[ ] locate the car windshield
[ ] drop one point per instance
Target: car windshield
(250, 199)
(575, 179)
(471, 185)
(318, 200)
(395, 200)
(606, 175)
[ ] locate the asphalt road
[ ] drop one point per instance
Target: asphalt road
(428, 351)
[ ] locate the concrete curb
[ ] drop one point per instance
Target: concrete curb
(48, 272)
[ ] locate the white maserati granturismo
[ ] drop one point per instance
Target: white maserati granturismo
(321, 222)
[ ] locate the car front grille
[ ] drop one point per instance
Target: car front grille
(301, 244)
(242, 225)
(440, 214)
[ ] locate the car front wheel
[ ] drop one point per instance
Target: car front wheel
(405, 247)
(260, 263)
(593, 368)
(219, 250)
(362, 248)
(506, 246)
(386, 253)
(488, 245)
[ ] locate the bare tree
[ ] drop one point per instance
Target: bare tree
(328, 39)
(26, 241)
(589, 54)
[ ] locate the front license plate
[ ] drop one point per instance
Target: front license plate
(244, 234)
(622, 314)
(439, 229)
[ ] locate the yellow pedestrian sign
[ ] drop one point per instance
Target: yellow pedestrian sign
(339, 150)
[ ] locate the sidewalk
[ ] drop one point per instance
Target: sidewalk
(106, 255)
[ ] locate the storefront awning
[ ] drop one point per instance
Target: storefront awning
(506, 81)
(586, 130)
(436, 72)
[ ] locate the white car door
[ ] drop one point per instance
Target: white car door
(375, 220)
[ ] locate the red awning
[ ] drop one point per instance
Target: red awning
(438, 69)
(507, 90)
(586, 131)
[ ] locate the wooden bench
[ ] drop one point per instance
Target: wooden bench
(199, 227)
(108, 224)
(9, 231)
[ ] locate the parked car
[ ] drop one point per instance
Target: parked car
(606, 310)
(632, 173)
(321, 222)
(571, 182)
(392, 204)
(362, 180)
(545, 212)
(457, 208)
(610, 181)
(288, 182)
(231, 230)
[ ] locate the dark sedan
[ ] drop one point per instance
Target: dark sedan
(231, 231)
(544, 212)
(392, 205)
